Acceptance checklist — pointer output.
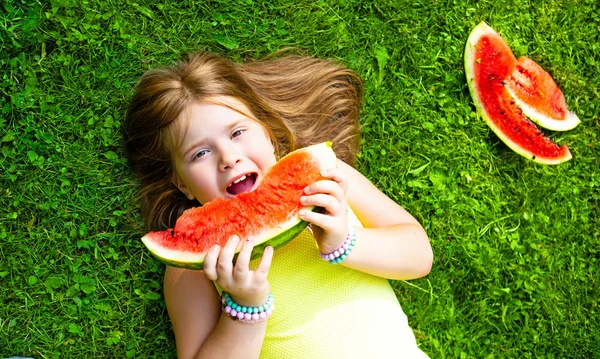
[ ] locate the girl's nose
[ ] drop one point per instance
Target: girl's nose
(229, 158)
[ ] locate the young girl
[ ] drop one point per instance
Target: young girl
(208, 128)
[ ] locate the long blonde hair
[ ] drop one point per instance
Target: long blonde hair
(300, 100)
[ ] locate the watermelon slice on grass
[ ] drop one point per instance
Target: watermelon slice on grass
(509, 93)
(269, 214)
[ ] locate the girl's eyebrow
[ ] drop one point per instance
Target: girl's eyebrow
(199, 142)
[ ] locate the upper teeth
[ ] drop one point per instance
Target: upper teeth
(238, 180)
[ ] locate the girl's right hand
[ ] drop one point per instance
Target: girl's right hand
(246, 287)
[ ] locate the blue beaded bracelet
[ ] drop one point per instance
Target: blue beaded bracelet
(341, 253)
(244, 313)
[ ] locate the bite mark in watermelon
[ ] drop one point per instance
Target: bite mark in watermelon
(269, 214)
(536, 93)
(489, 64)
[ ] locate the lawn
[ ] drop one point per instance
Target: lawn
(517, 244)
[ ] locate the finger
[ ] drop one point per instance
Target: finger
(243, 260)
(225, 262)
(261, 272)
(210, 263)
(327, 187)
(331, 204)
(338, 176)
(321, 220)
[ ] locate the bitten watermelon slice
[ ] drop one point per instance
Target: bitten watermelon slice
(490, 65)
(269, 214)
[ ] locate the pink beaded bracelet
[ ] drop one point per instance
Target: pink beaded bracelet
(341, 253)
(247, 314)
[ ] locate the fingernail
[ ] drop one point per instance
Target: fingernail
(302, 213)
(324, 172)
(306, 189)
(303, 199)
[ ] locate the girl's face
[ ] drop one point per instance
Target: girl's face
(219, 152)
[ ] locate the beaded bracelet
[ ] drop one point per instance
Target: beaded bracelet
(341, 253)
(247, 314)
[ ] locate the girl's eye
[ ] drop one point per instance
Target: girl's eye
(237, 133)
(199, 154)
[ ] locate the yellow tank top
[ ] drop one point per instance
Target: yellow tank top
(330, 311)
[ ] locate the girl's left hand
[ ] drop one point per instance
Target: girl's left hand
(330, 227)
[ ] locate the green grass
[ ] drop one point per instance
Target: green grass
(516, 243)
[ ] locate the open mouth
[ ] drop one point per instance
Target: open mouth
(242, 184)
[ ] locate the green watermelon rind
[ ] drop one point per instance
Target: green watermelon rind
(470, 49)
(570, 122)
(284, 233)
(276, 236)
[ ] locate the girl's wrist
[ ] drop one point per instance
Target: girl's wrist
(339, 254)
(330, 247)
(247, 314)
(254, 301)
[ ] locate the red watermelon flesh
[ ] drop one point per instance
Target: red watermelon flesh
(539, 97)
(266, 205)
(269, 214)
(489, 61)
